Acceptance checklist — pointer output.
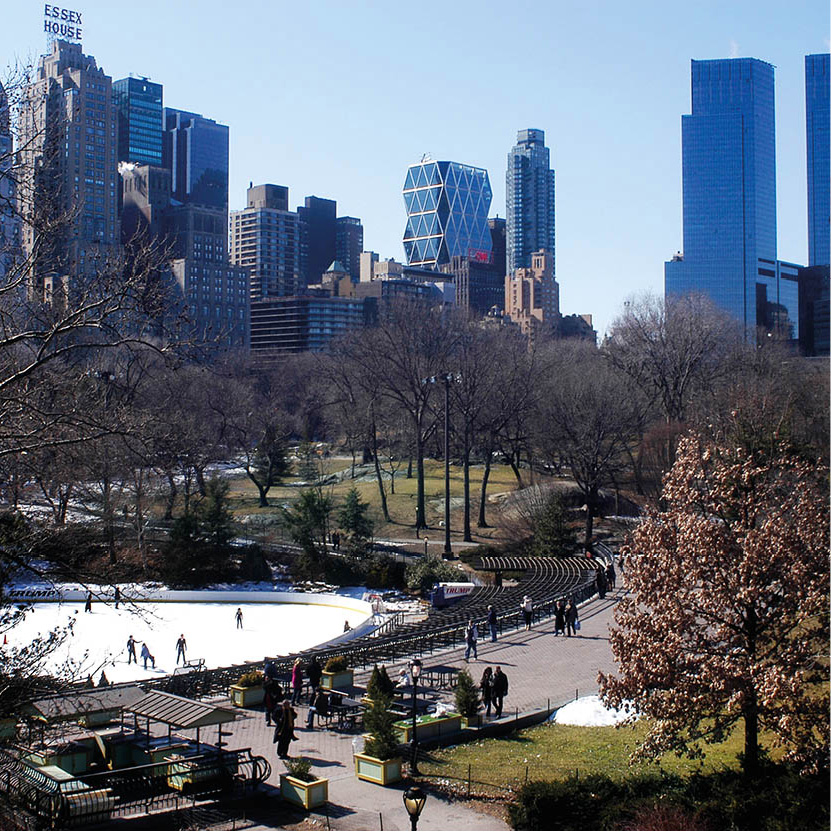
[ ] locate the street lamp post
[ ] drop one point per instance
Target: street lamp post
(448, 551)
(415, 672)
(426, 541)
(414, 800)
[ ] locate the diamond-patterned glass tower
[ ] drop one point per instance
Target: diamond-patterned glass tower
(447, 213)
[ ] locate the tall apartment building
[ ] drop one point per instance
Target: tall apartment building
(529, 188)
(9, 225)
(68, 158)
(349, 243)
(447, 213)
(729, 198)
(318, 237)
(532, 297)
(265, 240)
(139, 105)
(817, 80)
(499, 245)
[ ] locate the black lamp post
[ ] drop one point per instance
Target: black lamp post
(414, 800)
(415, 672)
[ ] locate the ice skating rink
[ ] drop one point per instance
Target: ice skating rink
(98, 639)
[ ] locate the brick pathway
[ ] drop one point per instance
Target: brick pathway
(541, 669)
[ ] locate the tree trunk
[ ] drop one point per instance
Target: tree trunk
(410, 467)
(421, 519)
(750, 709)
(515, 468)
(467, 536)
(171, 496)
(200, 480)
(591, 501)
(483, 494)
(263, 494)
(381, 491)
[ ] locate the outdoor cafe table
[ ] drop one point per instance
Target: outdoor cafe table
(440, 675)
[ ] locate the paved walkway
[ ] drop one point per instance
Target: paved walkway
(541, 669)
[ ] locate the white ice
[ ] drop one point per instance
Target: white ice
(209, 628)
(588, 711)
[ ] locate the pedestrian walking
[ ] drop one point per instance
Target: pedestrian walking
(486, 686)
(499, 691)
(560, 618)
(131, 650)
(571, 619)
(471, 638)
(527, 611)
(272, 691)
(611, 577)
(88, 605)
(181, 646)
(117, 596)
(315, 673)
(284, 718)
(296, 681)
(147, 655)
(492, 621)
(600, 581)
(238, 616)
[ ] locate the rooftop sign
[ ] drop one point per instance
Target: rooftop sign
(62, 23)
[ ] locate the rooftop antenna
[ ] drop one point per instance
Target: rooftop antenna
(427, 157)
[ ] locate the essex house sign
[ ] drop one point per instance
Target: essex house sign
(62, 23)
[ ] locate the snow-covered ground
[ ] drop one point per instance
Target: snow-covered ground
(588, 711)
(209, 628)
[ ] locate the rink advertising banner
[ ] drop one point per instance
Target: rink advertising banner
(62, 23)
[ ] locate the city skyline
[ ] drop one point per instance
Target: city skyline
(608, 91)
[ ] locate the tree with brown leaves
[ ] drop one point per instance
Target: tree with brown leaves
(727, 618)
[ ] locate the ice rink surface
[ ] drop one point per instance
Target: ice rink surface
(98, 639)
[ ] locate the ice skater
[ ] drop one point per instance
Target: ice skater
(88, 605)
(131, 650)
(117, 596)
(238, 616)
(146, 654)
(181, 646)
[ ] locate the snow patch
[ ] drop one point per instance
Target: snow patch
(589, 711)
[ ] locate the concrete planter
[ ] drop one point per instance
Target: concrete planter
(337, 681)
(246, 697)
(429, 728)
(373, 770)
(301, 793)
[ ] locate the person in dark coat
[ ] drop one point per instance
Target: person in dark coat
(320, 705)
(571, 618)
(560, 619)
(272, 691)
(131, 650)
(315, 673)
(600, 581)
(611, 577)
(500, 691)
(296, 681)
(88, 605)
(284, 718)
(486, 686)
(492, 621)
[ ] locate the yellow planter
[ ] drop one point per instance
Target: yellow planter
(301, 793)
(246, 697)
(337, 681)
(430, 728)
(377, 771)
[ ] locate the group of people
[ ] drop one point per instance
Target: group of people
(494, 688)
(566, 618)
(146, 655)
(605, 578)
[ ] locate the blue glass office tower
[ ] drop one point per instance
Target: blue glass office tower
(447, 213)
(139, 105)
(817, 79)
(729, 191)
(196, 153)
(529, 188)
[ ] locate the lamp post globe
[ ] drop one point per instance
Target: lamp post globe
(415, 672)
(414, 800)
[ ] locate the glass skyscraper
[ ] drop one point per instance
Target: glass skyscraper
(529, 188)
(196, 153)
(729, 192)
(447, 213)
(819, 170)
(139, 105)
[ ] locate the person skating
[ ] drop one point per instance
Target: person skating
(571, 619)
(296, 681)
(131, 650)
(492, 621)
(315, 673)
(560, 619)
(238, 617)
(486, 686)
(146, 654)
(284, 718)
(471, 638)
(181, 646)
(527, 611)
(500, 691)
(117, 597)
(88, 605)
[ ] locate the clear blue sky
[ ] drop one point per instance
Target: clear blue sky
(336, 98)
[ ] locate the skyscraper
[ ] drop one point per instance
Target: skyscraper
(349, 243)
(817, 79)
(529, 187)
(729, 196)
(68, 166)
(265, 239)
(195, 151)
(9, 225)
(139, 105)
(318, 237)
(447, 213)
